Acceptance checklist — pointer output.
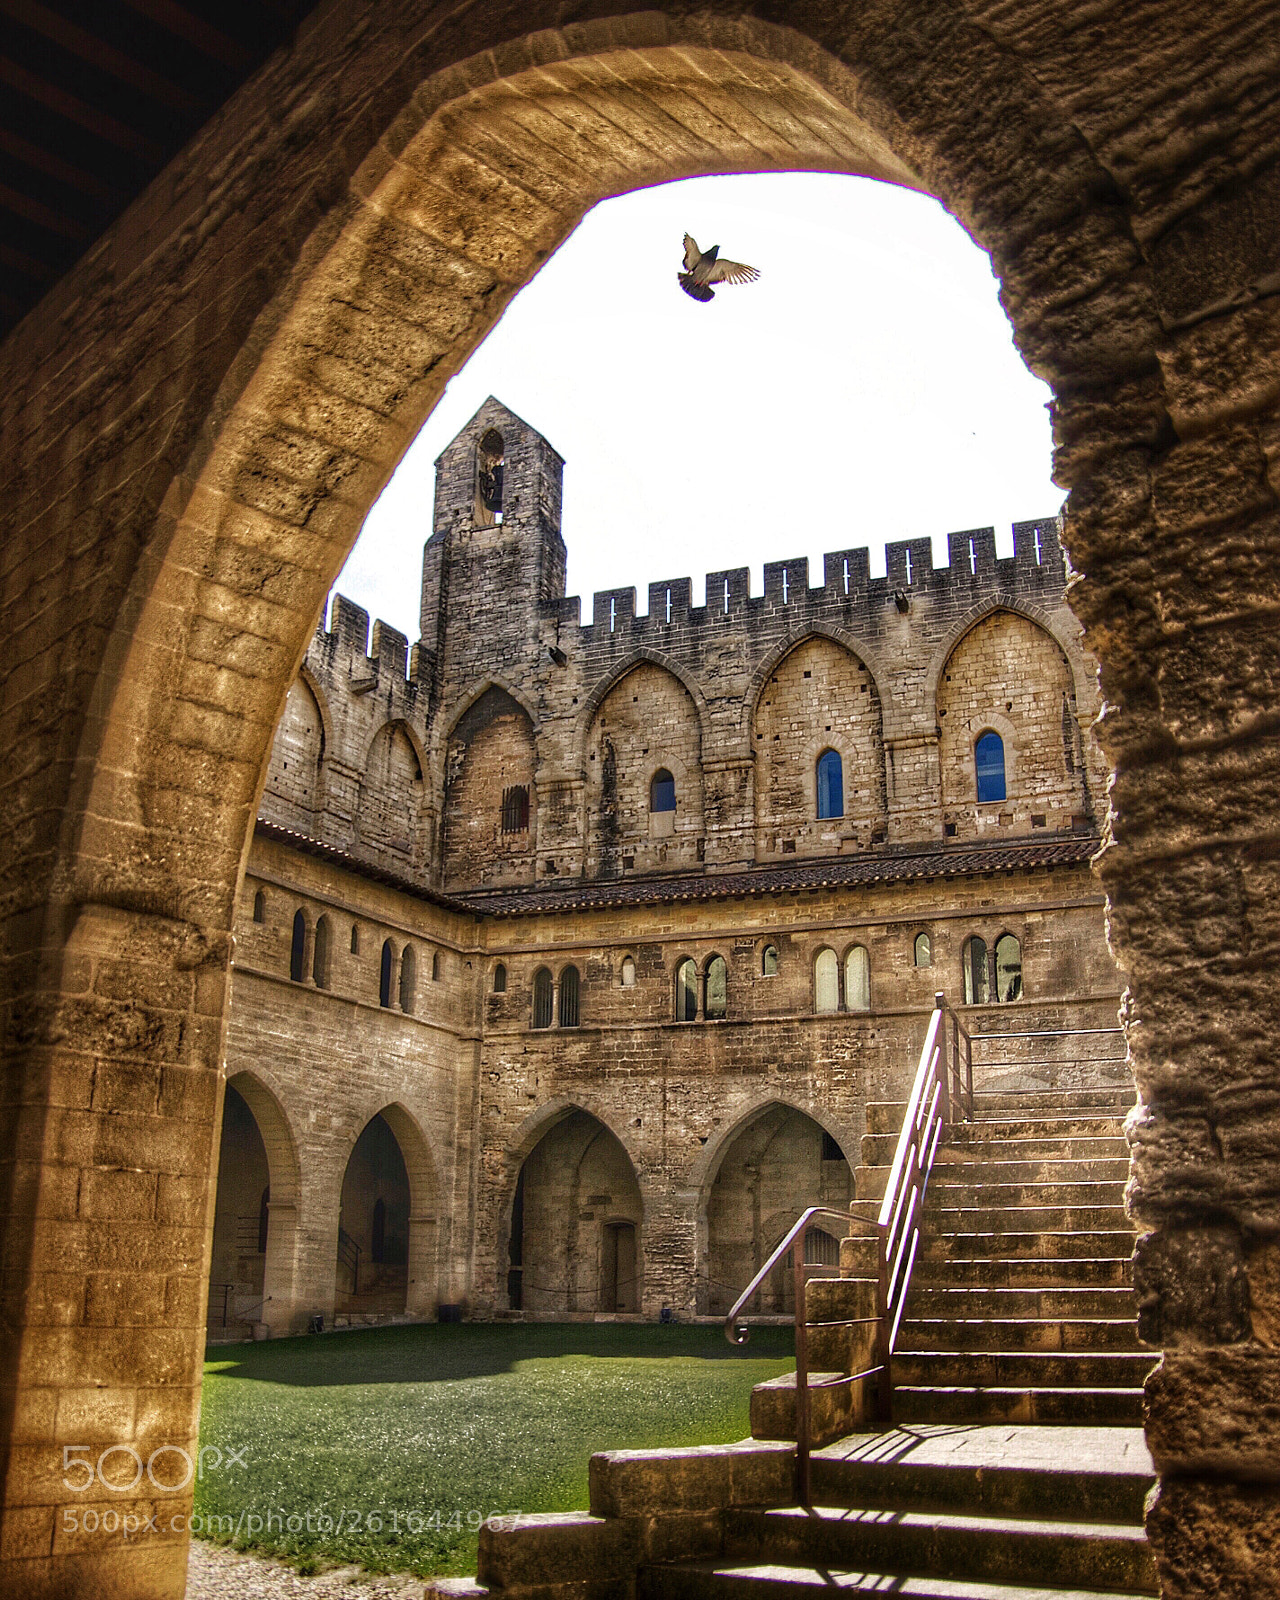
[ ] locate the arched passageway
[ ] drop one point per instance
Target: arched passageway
(779, 1163)
(574, 1236)
(199, 418)
(386, 1257)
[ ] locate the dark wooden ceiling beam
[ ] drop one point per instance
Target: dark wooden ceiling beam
(22, 205)
(97, 53)
(34, 155)
(84, 116)
(19, 261)
(196, 32)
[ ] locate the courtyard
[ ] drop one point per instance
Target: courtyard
(388, 1447)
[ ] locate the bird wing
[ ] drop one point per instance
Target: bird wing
(692, 255)
(692, 287)
(732, 272)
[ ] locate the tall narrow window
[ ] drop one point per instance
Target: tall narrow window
(628, 975)
(490, 454)
(515, 809)
(830, 784)
(298, 949)
(826, 981)
(769, 961)
(975, 971)
(686, 992)
(435, 966)
(988, 761)
(408, 978)
(662, 791)
(857, 979)
(320, 955)
(717, 989)
(259, 907)
(385, 975)
(569, 993)
(542, 998)
(355, 938)
(924, 950)
(500, 979)
(1008, 967)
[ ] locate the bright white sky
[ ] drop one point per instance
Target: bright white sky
(865, 389)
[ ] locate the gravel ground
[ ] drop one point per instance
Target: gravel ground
(216, 1572)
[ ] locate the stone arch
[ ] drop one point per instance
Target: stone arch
(573, 1196)
(1013, 677)
(491, 754)
(860, 648)
(418, 1294)
(277, 1292)
(769, 1166)
(294, 788)
(393, 793)
(658, 658)
(1056, 626)
(822, 685)
(237, 484)
(623, 753)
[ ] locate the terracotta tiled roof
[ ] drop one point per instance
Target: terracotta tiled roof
(903, 864)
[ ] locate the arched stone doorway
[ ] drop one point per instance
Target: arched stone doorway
(236, 482)
(778, 1163)
(253, 1261)
(385, 1262)
(573, 1247)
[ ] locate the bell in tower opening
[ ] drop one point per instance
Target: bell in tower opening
(489, 462)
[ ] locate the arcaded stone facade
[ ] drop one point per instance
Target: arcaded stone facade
(197, 418)
(602, 944)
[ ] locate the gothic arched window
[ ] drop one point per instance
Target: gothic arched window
(1008, 967)
(924, 950)
(408, 978)
(826, 981)
(627, 978)
(662, 791)
(570, 988)
(320, 955)
(988, 762)
(500, 979)
(717, 1003)
(974, 959)
(259, 907)
(769, 961)
(830, 784)
(542, 998)
(298, 949)
(857, 979)
(686, 991)
(384, 976)
(490, 462)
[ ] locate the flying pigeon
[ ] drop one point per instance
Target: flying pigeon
(701, 271)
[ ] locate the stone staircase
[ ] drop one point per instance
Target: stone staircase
(1016, 1469)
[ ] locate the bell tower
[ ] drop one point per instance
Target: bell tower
(495, 557)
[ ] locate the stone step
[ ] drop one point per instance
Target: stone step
(998, 1130)
(877, 1150)
(1079, 1407)
(1039, 1334)
(1028, 1272)
(1093, 1244)
(1068, 1474)
(1007, 1369)
(833, 1398)
(979, 1217)
(1120, 1096)
(1085, 1303)
(947, 1544)
(988, 1186)
(715, 1580)
(1087, 1106)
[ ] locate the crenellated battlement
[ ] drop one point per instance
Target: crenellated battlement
(1035, 571)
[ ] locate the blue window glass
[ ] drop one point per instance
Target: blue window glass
(830, 784)
(988, 759)
(662, 791)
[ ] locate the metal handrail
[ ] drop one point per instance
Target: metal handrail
(941, 1094)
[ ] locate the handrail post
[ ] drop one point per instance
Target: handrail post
(940, 1006)
(802, 1372)
(884, 1380)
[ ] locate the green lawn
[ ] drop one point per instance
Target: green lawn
(389, 1446)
